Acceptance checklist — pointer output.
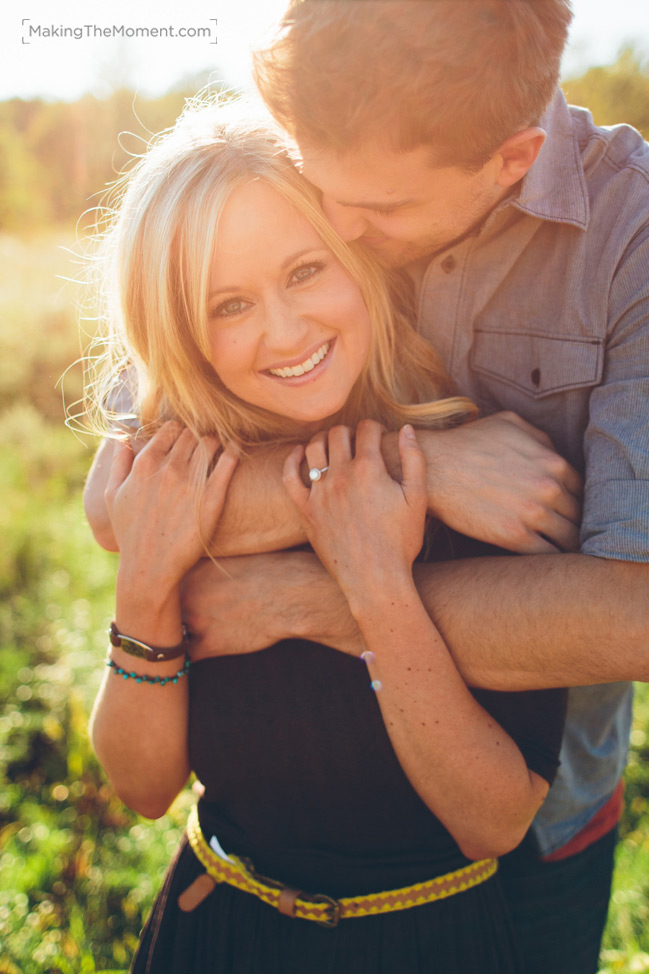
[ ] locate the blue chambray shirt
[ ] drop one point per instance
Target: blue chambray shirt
(545, 311)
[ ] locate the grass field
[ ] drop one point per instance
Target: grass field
(77, 870)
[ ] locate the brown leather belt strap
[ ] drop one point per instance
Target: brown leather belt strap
(287, 900)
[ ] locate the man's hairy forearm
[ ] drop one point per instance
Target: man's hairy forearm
(496, 479)
(521, 623)
(258, 515)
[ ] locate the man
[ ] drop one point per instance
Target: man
(438, 139)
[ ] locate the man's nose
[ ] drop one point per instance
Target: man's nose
(348, 221)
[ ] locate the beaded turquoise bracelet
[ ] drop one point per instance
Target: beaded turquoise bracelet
(152, 680)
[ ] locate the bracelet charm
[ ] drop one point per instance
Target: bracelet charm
(152, 654)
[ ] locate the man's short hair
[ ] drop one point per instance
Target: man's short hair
(460, 76)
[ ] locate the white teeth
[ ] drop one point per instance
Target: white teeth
(304, 366)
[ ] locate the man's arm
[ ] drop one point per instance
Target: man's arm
(527, 623)
(496, 479)
(258, 516)
(492, 612)
(246, 603)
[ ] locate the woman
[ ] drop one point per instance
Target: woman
(244, 316)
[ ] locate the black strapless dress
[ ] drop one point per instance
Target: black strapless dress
(300, 777)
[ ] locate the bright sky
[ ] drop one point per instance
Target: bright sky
(34, 63)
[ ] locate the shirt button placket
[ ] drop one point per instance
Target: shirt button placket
(439, 305)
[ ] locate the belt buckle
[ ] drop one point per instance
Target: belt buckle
(331, 921)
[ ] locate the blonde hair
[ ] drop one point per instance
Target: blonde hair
(155, 260)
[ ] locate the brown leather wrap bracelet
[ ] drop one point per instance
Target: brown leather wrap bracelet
(154, 654)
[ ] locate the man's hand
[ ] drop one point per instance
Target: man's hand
(499, 480)
(245, 604)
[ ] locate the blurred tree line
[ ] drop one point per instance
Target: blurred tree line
(615, 93)
(57, 157)
(54, 156)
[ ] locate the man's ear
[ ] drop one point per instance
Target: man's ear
(517, 154)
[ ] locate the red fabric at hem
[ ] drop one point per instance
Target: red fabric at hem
(600, 824)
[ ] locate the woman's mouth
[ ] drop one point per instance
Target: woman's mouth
(302, 368)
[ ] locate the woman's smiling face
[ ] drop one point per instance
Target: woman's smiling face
(290, 332)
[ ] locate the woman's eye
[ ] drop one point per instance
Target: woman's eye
(229, 308)
(304, 272)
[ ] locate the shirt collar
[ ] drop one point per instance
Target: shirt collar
(555, 187)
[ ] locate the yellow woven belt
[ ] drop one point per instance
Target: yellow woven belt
(317, 907)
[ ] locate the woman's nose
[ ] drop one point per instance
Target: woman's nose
(348, 221)
(285, 328)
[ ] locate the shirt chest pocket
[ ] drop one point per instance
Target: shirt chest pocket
(537, 365)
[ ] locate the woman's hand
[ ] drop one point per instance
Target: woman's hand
(160, 528)
(364, 526)
(151, 499)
